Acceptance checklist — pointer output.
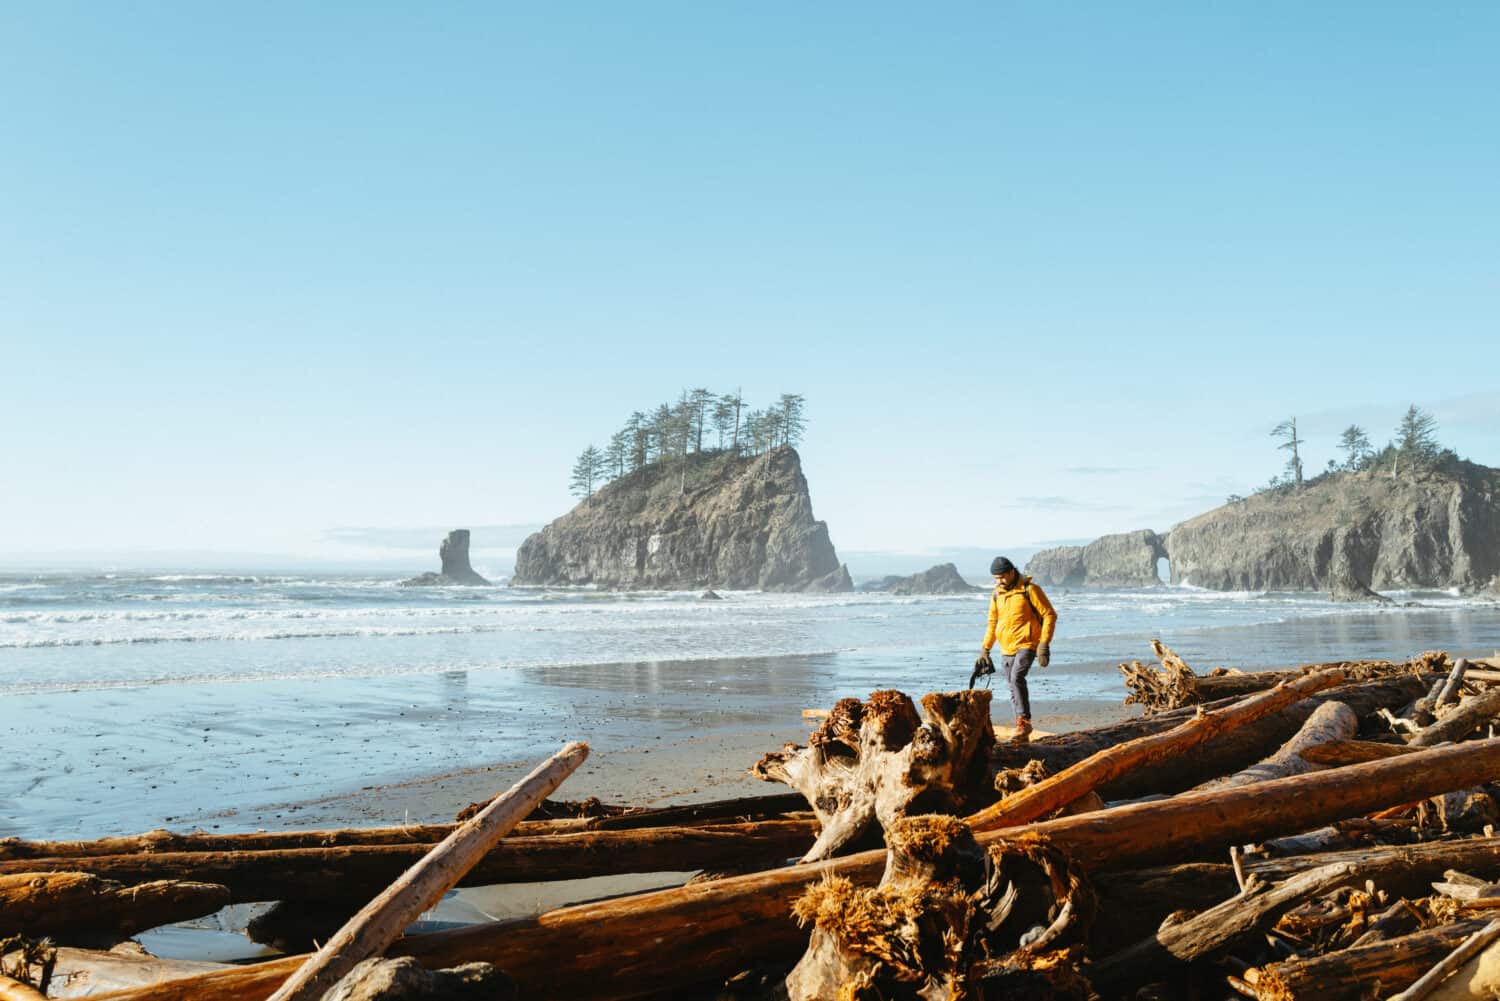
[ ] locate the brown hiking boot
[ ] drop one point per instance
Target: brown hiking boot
(1023, 730)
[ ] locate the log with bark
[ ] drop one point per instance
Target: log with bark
(79, 906)
(1227, 753)
(1351, 752)
(618, 818)
(875, 761)
(1088, 776)
(1469, 973)
(343, 873)
(1217, 928)
(651, 943)
(1376, 969)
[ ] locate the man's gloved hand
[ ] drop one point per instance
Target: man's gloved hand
(1043, 654)
(982, 667)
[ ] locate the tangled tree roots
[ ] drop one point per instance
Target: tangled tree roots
(948, 921)
(878, 761)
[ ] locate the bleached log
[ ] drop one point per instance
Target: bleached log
(1478, 979)
(384, 919)
(90, 973)
(1458, 724)
(1331, 721)
(1427, 983)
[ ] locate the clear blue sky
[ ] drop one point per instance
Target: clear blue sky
(1042, 271)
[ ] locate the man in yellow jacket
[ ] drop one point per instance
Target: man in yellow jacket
(1022, 620)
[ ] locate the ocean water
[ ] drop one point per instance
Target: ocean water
(135, 699)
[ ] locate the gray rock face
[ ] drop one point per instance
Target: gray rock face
(1348, 533)
(714, 521)
(454, 553)
(941, 579)
(1124, 560)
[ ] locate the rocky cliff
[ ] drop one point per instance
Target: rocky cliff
(712, 521)
(454, 557)
(1124, 560)
(1347, 532)
(1344, 533)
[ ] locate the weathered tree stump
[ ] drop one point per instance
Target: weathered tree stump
(948, 920)
(877, 761)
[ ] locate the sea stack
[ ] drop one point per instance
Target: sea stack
(708, 520)
(454, 553)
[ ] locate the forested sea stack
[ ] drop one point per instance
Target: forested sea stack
(707, 519)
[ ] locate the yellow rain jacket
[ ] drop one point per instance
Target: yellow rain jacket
(1020, 617)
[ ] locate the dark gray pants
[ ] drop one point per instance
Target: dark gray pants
(1015, 666)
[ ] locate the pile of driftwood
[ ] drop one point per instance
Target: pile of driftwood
(1320, 833)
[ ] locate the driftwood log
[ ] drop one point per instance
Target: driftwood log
(1469, 715)
(90, 972)
(1163, 953)
(1108, 765)
(75, 906)
(1461, 988)
(342, 873)
(1131, 898)
(1351, 752)
(1227, 753)
(1376, 969)
(617, 818)
(663, 940)
(405, 980)
(370, 932)
(1175, 684)
(875, 761)
(1331, 721)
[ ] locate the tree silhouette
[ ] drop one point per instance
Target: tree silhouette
(1355, 445)
(586, 471)
(1287, 432)
(701, 402)
(791, 422)
(1416, 440)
